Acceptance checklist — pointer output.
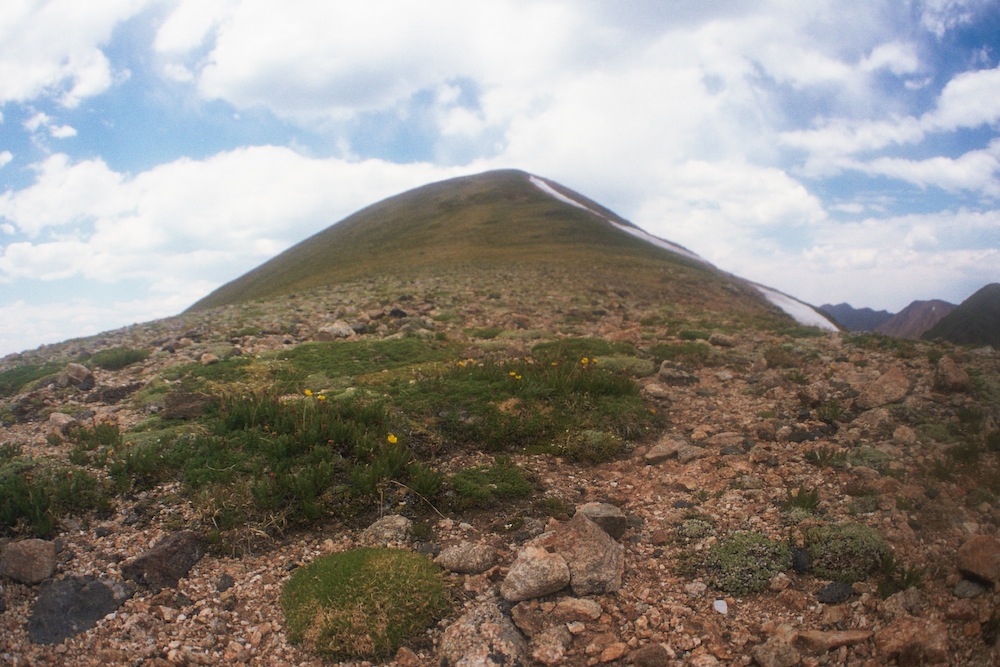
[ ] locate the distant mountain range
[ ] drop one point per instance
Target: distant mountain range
(856, 319)
(914, 320)
(976, 321)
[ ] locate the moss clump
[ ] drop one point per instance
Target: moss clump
(363, 603)
(745, 562)
(592, 446)
(484, 486)
(846, 552)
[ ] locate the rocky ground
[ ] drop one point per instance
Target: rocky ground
(744, 430)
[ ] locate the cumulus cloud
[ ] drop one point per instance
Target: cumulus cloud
(54, 48)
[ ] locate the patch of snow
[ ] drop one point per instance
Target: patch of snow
(551, 191)
(657, 241)
(799, 311)
(634, 231)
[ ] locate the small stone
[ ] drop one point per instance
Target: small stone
(616, 651)
(834, 592)
(967, 588)
(721, 606)
(651, 655)
(405, 657)
(392, 529)
(817, 641)
(467, 558)
(891, 386)
(664, 450)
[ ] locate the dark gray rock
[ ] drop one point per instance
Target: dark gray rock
(67, 607)
(170, 559)
(834, 592)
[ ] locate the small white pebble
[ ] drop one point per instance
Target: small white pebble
(721, 607)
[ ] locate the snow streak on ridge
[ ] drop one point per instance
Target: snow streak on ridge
(799, 311)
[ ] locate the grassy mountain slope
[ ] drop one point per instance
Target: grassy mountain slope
(495, 221)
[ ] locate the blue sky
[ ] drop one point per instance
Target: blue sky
(151, 150)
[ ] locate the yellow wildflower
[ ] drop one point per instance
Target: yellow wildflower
(392, 439)
(309, 392)
(321, 397)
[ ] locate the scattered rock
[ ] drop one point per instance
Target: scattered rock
(30, 561)
(76, 375)
(335, 331)
(721, 340)
(535, 573)
(817, 641)
(596, 561)
(392, 529)
(834, 592)
(966, 588)
(949, 377)
(185, 405)
(483, 637)
(611, 519)
(979, 557)
(890, 387)
(60, 423)
(467, 558)
(67, 607)
(652, 655)
(664, 450)
(675, 377)
(914, 641)
(549, 646)
(775, 652)
(166, 562)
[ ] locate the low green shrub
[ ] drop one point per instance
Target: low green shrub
(592, 446)
(36, 494)
(116, 358)
(745, 562)
(13, 380)
(846, 552)
(364, 603)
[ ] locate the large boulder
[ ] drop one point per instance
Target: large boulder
(467, 558)
(914, 641)
(76, 375)
(949, 377)
(611, 519)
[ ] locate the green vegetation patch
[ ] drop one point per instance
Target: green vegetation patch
(116, 358)
(363, 603)
(846, 552)
(351, 359)
(745, 562)
(15, 379)
(484, 486)
(36, 493)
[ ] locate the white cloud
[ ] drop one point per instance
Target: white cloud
(5, 158)
(975, 171)
(53, 48)
(969, 100)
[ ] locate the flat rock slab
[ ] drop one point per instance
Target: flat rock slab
(67, 607)
(979, 557)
